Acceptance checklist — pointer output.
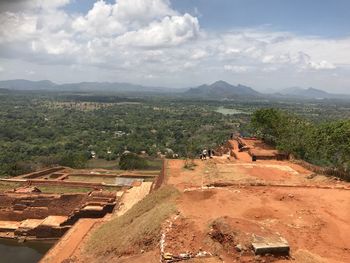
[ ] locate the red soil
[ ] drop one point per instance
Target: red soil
(315, 221)
(69, 242)
(311, 219)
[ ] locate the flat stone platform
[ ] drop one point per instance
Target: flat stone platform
(270, 245)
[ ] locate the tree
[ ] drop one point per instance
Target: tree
(131, 161)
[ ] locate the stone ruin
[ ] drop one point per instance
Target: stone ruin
(37, 215)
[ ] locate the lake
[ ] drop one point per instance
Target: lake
(227, 111)
(27, 252)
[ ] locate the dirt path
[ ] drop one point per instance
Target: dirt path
(132, 196)
(129, 199)
(69, 242)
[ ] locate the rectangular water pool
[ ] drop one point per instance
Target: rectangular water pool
(27, 252)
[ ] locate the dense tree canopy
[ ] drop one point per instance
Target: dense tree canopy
(325, 143)
(131, 161)
(40, 129)
(37, 131)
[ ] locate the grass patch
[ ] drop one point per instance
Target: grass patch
(102, 163)
(6, 186)
(139, 228)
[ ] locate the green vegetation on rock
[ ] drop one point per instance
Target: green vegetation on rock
(324, 143)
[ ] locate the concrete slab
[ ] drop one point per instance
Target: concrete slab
(54, 221)
(31, 223)
(120, 194)
(9, 225)
(93, 207)
(270, 245)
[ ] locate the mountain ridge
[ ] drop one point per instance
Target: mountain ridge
(222, 89)
(217, 90)
(306, 92)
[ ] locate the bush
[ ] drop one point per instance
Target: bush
(73, 160)
(131, 161)
(325, 144)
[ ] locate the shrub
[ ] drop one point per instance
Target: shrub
(131, 161)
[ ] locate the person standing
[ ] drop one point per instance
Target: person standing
(205, 153)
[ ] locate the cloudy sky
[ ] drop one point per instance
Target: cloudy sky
(270, 44)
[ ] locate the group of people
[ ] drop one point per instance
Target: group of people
(206, 154)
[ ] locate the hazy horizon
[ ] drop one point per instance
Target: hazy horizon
(177, 44)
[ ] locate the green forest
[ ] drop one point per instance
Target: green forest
(41, 129)
(323, 143)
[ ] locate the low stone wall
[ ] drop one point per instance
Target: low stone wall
(328, 171)
(42, 231)
(18, 207)
(157, 183)
(41, 173)
(50, 216)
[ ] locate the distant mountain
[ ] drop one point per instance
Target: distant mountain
(221, 90)
(108, 86)
(218, 90)
(22, 84)
(308, 93)
(81, 86)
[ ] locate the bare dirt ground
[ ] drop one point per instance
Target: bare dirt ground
(315, 221)
(70, 241)
(132, 196)
(226, 202)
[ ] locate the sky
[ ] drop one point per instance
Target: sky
(268, 45)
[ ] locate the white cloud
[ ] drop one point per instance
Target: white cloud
(199, 54)
(45, 4)
(20, 5)
(142, 38)
(55, 46)
(142, 11)
(230, 51)
(237, 69)
(106, 19)
(16, 26)
(322, 65)
(172, 30)
(269, 69)
(99, 21)
(30, 72)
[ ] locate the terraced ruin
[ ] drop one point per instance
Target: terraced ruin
(232, 208)
(44, 205)
(229, 208)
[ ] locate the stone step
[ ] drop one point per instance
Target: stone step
(270, 245)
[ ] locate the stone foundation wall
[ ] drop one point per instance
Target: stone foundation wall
(14, 207)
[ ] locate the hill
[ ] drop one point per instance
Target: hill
(221, 89)
(22, 84)
(218, 90)
(309, 93)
